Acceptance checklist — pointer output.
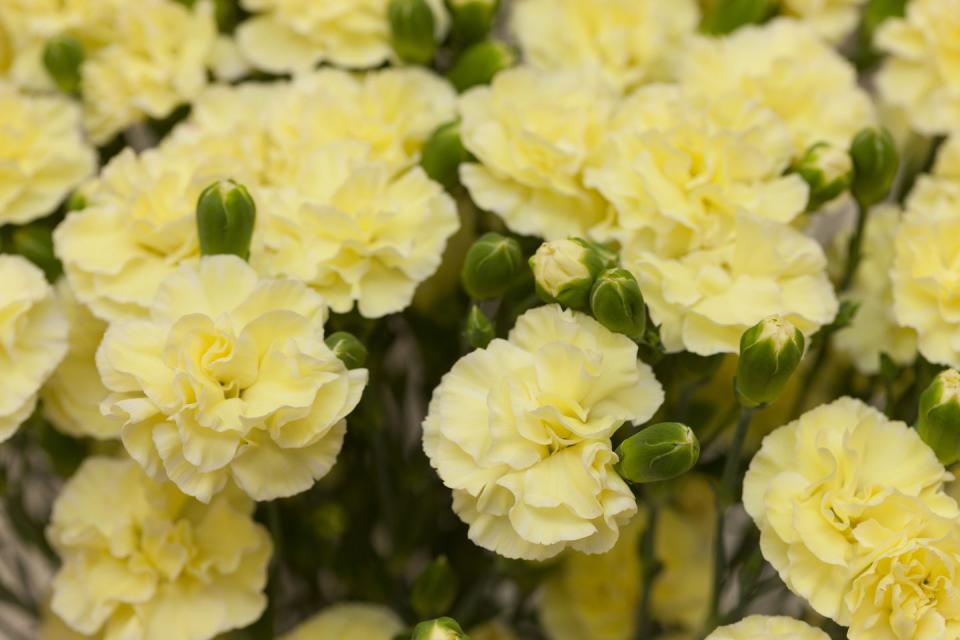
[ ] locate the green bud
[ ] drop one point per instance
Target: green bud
(472, 20)
(35, 243)
(659, 452)
(412, 26)
(875, 164)
(346, 347)
(827, 170)
(726, 16)
(478, 64)
(769, 354)
(439, 629)
(226, 215)
(76, 201)
(616, 302)
(478, 329)
(492, 265)
(435, 589)
(62, 58)
(442, 154)
(564, 271)
(939, 419)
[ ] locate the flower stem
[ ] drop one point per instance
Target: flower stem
(649, 568)
(855, 250)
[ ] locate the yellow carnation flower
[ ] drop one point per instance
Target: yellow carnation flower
(785, 67)
(628, 42)
(150, 562)
(921, 72)
(823, 481)
(229, 378)
(521, 432)
(42, 154)
(532, 132)
(874, 329)
(72, 395)
(349, 621)
(768, 628)
(33, 339)
(832, 19)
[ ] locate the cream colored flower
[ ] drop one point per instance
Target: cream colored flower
(42, 154)
(532, 132)
(874, 329)
(832, 19)
(785, 67)
(33, 339)
(229, 378)
(295, 35)
(349, 621)
(521, 432)
(627, 42)
(922, 72)
(143, 561)
(824, 481)
(72, 395)
(768, 628)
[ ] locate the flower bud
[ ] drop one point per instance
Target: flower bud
(62, 58)
(434, 589)
(769, 354)
(472, 20)
(564, 271)
(616, 302)
(348, 349)
(726, 16)
(659, 452)
(827, 170)
(875, 164)
(478, 64)
(225, 217)
(442, 154)
(938, 422)
(478, 330)
(491, 266)
(439, 629)
(412, 25)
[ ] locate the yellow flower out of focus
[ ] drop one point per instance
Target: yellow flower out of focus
(33, 339)
(628, 42)
(768, 628)
(72, 395)
(229, 378)
(787, 68)
(42, 154)
(151, 562)
(295, 35)
(832, 19)
(922, 71)
(349, 621)
(823, 482)
(532, 132)
(594, 597)
(520, 431)
(874, 329)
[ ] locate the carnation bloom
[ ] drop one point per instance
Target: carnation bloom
(768, 628)
(42, 154)
(349, 621)
(150, 562)
(922, 72)
(33, 339)
(295, 35)
(874, 329)
(787, 68)
(521, 432)
(832, 19)
(823, 481)
(229, 378)
(532, 132)
(625, 41)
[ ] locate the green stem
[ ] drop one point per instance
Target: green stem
(649, 567)
(855, 250)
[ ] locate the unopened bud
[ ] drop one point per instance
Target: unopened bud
(938, 422)
(659, 452)
(434, 590)
(62, 58)
(478, 330)
(442, 154)
(875, 164)
(225, 217)
(564, 271)
(827, 170)
(439, 629)
(472, 20)
(348, 349)
(480, 63)
(491, 266)
(617, 303)
(412, 26)
(769, 354)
